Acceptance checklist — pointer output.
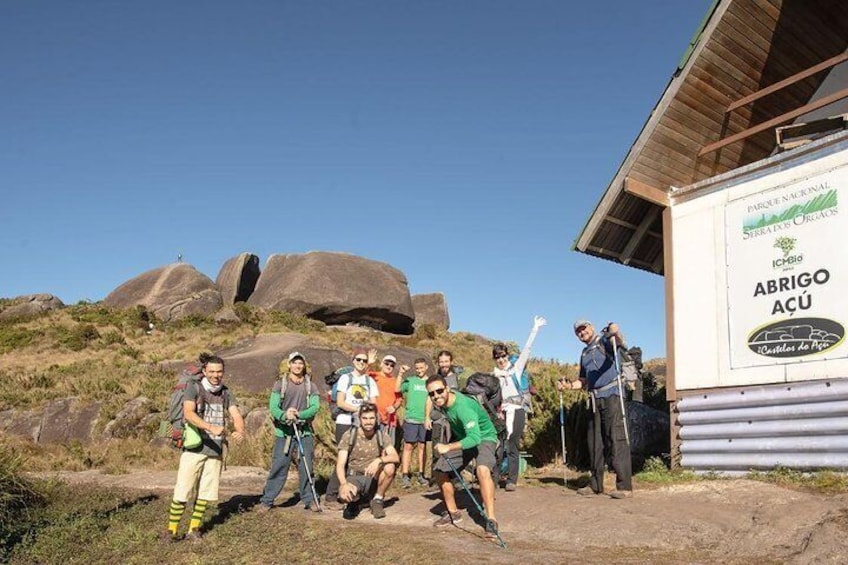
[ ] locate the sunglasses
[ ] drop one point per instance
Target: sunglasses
(502, 356)
(580, 329)
(389, 363)
(436, 392)
(360, 359)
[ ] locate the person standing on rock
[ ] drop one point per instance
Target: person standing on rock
(387, 401)
(414, 391)
(475, 438)
(606, 432)
(294, 401)
(207, 405)
(366, 464)
(515, 391)
(355, 388)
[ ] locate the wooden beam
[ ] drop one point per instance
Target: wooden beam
(628, 225)
(645, 192)
(832, 62)
(836, 96)
(639, 235)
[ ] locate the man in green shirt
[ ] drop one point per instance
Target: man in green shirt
(474, 437)
(414, 390)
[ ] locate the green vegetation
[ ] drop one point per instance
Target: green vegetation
(827, 482)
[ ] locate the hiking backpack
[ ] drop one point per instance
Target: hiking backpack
(172, 427)
(630, 365)
(332, 381)
(485, 388)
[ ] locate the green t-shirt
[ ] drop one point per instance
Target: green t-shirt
(414, 391)
(469, 422)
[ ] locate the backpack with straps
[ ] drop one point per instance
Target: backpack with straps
(485, 388)
(172, 426)
(284, 383)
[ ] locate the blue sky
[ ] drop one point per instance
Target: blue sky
(465, 143)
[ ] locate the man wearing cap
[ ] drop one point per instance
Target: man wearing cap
(388, 401)
(294, 402)
(355, 388)
(606, 433)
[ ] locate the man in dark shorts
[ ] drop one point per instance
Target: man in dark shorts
(474, 437)
(366, 464)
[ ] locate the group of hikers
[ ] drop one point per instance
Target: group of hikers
(365, 404)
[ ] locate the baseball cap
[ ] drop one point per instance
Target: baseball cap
(391, 358)
(580, 323)
(295, 354)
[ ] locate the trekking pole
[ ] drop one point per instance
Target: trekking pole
(562, 437)
(474, 500)
(620, 391)
(302, 454)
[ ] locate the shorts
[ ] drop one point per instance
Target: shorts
(415, 433)
(366, 486)
(483, 453)
(194, 467)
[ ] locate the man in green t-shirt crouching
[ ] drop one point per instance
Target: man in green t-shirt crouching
(475, 438)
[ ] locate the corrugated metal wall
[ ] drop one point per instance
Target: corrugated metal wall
(801, 426)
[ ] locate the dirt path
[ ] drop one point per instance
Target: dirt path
(728, 521)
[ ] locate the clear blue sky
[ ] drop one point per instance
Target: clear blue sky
(465, 143)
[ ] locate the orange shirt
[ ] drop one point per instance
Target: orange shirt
(386, 386)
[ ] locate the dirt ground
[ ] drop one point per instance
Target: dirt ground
(720, 521)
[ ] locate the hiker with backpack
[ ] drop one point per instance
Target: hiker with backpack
(366, 464)
(515, 391)
(206, 408)
(293, 404)
(607, 431)
(433, 417)
(415, 434)
(353, 389)
(475, 438)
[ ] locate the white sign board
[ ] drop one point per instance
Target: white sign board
(787, 272)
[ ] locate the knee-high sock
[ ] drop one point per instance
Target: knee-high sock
(197, 515)
(174, 516)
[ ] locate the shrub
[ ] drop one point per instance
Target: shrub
(78, 337)
(12, 337)
(245, 312)
(16, 495)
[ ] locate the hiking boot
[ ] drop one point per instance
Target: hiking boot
(333, 505)
(586, 491)
(620, 494)
(351, 511)
(448, 518)
(194, 536)
(262, 508)
(510, 487)
(405, 481)
(167, 537)
(377, 509)
(492, 529)
(422, 481)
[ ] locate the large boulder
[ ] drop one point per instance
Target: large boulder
(30, 305)
(172, 292)
(253, 363)
(128, 421)
(336, 288)
(237, 278)
(431, 308)
(21, 423)
(68, 419)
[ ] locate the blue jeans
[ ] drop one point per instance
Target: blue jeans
(280, 461)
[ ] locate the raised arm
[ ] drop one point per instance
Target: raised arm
(538, 322)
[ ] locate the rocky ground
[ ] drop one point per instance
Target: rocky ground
(719, 521)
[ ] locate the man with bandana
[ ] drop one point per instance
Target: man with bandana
(207, 405)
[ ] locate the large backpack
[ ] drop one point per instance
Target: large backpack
(485, 388)
(630, 365)
(172, 427)
(332, 381)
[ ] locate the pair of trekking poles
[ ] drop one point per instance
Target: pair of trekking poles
(302, 454)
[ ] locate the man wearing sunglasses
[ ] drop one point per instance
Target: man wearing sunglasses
(606, 433)
(474, 437)
(387, 401)
(354, 389)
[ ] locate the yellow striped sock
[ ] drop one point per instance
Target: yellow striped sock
(174, 516)
(197, 515)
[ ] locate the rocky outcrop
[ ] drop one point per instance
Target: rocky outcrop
(336, 288)
(237, 278)
(170, 293)
(431, 308)
(227, 315)
(30, 305)
(130, 419)
(68, 419)
(257, 420)
(26, 424)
